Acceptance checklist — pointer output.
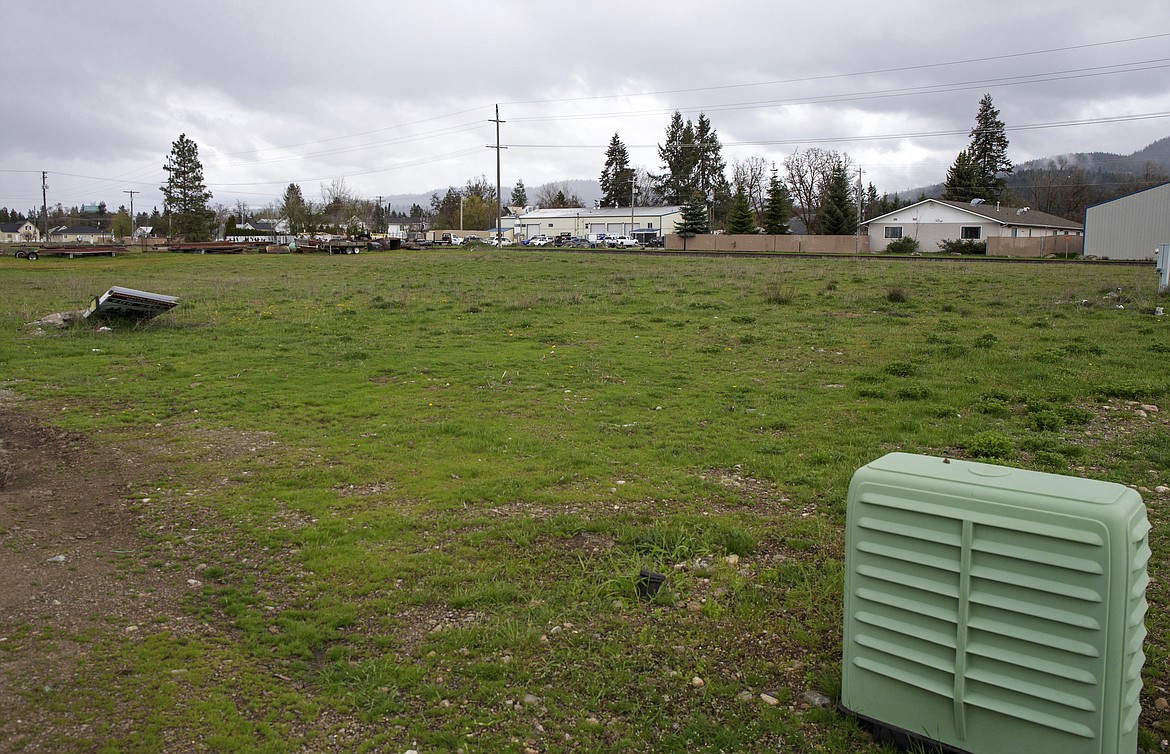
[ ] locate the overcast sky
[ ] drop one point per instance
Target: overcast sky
(397, 97)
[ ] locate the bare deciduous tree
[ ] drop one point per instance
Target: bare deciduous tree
(556, 196)
(808, 175)
(752, 174)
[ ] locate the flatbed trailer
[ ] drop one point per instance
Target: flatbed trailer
(68, 251)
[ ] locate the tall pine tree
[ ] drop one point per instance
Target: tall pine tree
(838, 214)
(710, 169)
(777, 207)
(617, 177)
(678, 157)
(988, 149)
(185, 196)
(740, 219)
(964, 181)
(294, 210)
(519, 195)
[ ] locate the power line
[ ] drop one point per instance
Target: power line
(1036, 78)
(807, 79)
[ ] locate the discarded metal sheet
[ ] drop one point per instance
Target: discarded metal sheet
(128, 302)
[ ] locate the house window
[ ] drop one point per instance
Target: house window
(649, 226)
(893, 231)
(971, 232)
(1015, 232)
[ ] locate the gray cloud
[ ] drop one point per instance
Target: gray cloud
(396, 98)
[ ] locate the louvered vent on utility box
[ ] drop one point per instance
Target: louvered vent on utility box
(991, 609)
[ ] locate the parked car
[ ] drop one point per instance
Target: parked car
(577, 242)
(540, 241)
(657, 242)
(471, 239)
(498, 242)
(621, 242)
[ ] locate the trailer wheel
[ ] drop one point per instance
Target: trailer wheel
(22, 255)
(32, 255)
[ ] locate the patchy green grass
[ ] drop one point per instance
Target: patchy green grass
(425, 484)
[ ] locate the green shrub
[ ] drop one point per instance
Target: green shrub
(963, 247)
(897, 295)
(904, 245)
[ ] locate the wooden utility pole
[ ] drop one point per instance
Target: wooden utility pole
(499, 197)
(45, 205)
(133, 224)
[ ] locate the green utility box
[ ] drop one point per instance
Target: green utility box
(991, 609)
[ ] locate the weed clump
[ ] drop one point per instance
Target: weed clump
(776, 294)
(991, 445)
(900, 369)
(897, 295)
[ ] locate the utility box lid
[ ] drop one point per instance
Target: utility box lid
(129, 302)
(992, 609)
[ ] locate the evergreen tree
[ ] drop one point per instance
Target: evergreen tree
(185, 196)
(617, 177)
(294, 210)
(378, 218)
(988, 149)
(710, 171)
(678, 157)
(519, 195)
(964, 181)
(838, 214)
(740, 219)
(694, 220)
(416, 211)
(777, 207)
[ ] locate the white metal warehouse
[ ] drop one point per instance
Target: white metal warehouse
(1129, 227)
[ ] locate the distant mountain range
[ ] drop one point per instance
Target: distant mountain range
(1106, 175)
(1157, 153)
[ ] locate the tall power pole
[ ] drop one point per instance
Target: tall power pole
(857, 239)
(133, 224)
(499, 196)
(45, 204)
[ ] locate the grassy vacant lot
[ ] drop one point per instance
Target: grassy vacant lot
(414, 491)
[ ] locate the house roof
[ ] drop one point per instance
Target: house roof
(12, 227)
(78, 230)
(586, 212)
(1023, 217)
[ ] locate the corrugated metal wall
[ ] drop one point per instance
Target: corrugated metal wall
(1130, 227)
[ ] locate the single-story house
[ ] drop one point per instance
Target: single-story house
(612, 221)
(410, 227)
(265, 226)
(933, 220)
(80, 234)
(21, 231)
(1130, 226)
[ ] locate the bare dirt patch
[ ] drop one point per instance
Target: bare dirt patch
(67, 537)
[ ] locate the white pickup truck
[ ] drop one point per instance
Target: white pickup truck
(621, 242)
